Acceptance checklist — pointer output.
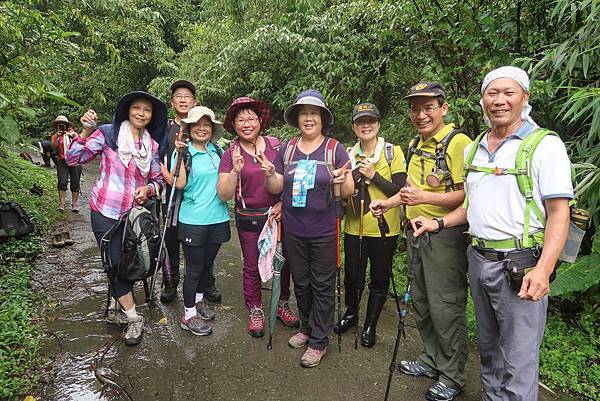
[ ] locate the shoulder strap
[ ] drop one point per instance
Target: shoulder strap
(471, 155)
(440, 158)
(290, 149)
(412, 149)
(388, 151)
(330, 148)
(270, 140)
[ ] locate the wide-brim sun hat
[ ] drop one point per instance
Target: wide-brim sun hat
(196, 113)
(158, 123)
(308, 97)
(261, 108)
(61, 120)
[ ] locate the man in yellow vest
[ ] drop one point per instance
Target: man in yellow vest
(438, 263)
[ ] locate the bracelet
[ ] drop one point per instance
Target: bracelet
(440, 221)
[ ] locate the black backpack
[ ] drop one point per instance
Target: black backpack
(140, 246)
(14, 222)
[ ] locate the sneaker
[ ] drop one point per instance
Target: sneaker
(168, 293)
(61, 207)
(441, 392)
(415, 368)
(287, 315)
(67, 238)
(58, 241)
(312, 357)
(256, 322)
(299, 340)
(133, 332)
(204, 311)
(212, 294)
(74, 207)
(116, 317)
(196, 325)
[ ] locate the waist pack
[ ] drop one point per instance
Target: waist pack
(14, 222)
(251, 219)
(139, 248)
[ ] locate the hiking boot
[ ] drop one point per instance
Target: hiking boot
(212, 294)
(287, 315)
(116, 317)
(350, 319)
(196, 325)
(299, 340)
(67, 238)
(256, 322)
(133, 332)
(204, 311)
(415, 368)
(58, 241)
(441, 392)
(312, 357)
(168, 293)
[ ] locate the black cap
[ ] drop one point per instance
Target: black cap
(182, 83)
(429, 89)
(365, 110)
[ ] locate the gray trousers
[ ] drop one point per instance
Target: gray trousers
(510, 332)
(439, 293)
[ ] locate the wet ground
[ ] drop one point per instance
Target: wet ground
(84, 358)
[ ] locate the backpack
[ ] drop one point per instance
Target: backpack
(140, 245)
(523, 173)
(14, 222)
(439, 157)
(330, 147)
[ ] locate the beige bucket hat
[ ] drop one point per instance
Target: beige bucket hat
(196, 113)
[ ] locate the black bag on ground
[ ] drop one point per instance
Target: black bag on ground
(140, 246)
(14, 222)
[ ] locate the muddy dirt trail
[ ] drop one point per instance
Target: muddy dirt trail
(86, 360)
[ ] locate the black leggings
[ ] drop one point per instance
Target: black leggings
(380, 261)
(198, 265)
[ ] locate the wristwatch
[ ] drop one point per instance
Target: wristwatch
(440, 222)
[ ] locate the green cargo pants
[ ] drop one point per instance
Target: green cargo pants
(439, 294)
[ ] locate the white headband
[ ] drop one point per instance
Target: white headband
(516, 74)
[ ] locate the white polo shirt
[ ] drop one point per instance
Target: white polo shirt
(496, 207)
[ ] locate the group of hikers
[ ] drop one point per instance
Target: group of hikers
(459, 204)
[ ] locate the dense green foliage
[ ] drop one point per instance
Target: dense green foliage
(18, 335)
(94, 51)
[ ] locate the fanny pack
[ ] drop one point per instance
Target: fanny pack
(248, 219)
(516, 264)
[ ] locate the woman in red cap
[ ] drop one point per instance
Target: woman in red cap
(240, 174)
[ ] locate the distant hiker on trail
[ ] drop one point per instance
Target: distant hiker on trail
(62, 136)
(129, 172)
(518, 213)
(48, 154)
(203, 217)
(439, 291)
(379, 172)
(240, 176)
(183, 98)
(305, 171)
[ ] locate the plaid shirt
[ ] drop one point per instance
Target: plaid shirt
(113, 192)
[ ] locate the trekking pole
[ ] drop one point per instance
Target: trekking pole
(361, 194)
(402, 312)
(338, 218)
(162, 256)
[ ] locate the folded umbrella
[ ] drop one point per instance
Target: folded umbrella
(278, 261)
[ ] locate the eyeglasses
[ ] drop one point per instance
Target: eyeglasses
(427, 110)
(183, 97)
(242, 121)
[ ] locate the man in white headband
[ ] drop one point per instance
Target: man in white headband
(517, 207)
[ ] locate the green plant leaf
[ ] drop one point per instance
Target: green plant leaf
(579, 276)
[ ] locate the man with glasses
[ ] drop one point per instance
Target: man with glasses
(435, 187)
(183, 99)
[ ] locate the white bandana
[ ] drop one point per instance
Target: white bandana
(516, 74)
(373, 159)
(127, 149)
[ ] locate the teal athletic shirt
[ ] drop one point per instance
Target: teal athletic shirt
(201, 204)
